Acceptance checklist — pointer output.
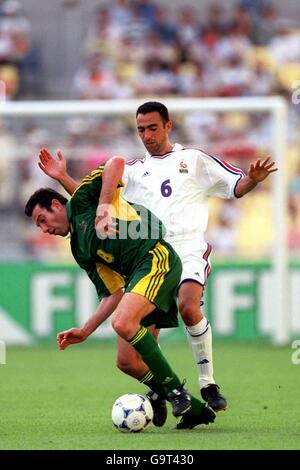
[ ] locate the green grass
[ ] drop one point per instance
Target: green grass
(52, 399)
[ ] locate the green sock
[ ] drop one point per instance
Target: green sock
(196, 408)
(148, 348)
(151, 382)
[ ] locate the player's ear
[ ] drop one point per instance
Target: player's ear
(56, 204)
(169, 126)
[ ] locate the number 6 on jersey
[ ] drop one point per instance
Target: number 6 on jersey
(166, 189)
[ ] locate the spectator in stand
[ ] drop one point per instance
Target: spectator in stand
(94, 80)
(16, 52)
(264, 25)
(214, 23)
(163, 26)
(188, 25)
(147, 11)
(285, 45)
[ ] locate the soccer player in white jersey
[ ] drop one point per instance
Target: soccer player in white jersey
(175, 182)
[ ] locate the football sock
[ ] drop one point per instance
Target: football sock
(151, 354)
(200, 339)
(151, 382)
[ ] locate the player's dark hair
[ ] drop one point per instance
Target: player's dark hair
(44, 198)
(152, 107)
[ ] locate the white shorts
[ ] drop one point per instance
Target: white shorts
(195, 258)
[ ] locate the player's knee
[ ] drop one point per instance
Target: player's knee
(117, 325)
(190, 313)
(123, 328)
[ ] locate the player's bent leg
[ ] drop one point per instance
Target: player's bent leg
(198, 329)
(129, 313)
(129, 360)
(126, 322)
(190, 294)
(200, 338)
(131, 363)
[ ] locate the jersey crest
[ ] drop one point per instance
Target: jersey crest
(183, 168)
(83, 226)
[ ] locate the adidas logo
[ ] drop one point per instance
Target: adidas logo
(167, 380)
(204, 361)
(146, 174)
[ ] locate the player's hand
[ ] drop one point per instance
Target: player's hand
(56, 169)
(259, 171)
(104, 224)
(72, 336)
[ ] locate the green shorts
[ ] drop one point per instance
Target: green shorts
(157, 278)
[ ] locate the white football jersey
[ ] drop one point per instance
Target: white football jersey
(175, 187)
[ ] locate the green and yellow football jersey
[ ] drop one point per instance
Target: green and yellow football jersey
(137, 258)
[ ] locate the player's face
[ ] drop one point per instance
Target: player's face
(154, 133)
(54, 222)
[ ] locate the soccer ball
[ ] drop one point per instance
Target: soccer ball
(132, 413)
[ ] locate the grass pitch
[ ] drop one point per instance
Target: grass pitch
(54, 399)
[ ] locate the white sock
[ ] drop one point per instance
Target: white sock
(200, 339)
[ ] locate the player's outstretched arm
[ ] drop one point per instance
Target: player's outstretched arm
(257, 173)
(111, 177)
(57, 169)
(78, 335)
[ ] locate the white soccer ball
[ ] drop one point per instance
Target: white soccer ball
(132, 413)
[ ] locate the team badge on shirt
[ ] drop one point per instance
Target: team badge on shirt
(83, 226)
(183, 168)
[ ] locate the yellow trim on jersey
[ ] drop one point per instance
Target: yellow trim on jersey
(139, 335)
(150, 284)
(97, 170)
(123, 210)
(112, 280)
(88, 179)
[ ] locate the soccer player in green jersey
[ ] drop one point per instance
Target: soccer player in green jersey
(132, 257)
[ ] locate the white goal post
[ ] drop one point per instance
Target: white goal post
(276, 106)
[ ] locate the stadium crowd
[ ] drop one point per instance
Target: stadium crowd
(134, 49)
(137, 49)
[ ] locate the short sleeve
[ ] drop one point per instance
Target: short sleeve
(219, 177)
(125, 177)
(88, 192)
